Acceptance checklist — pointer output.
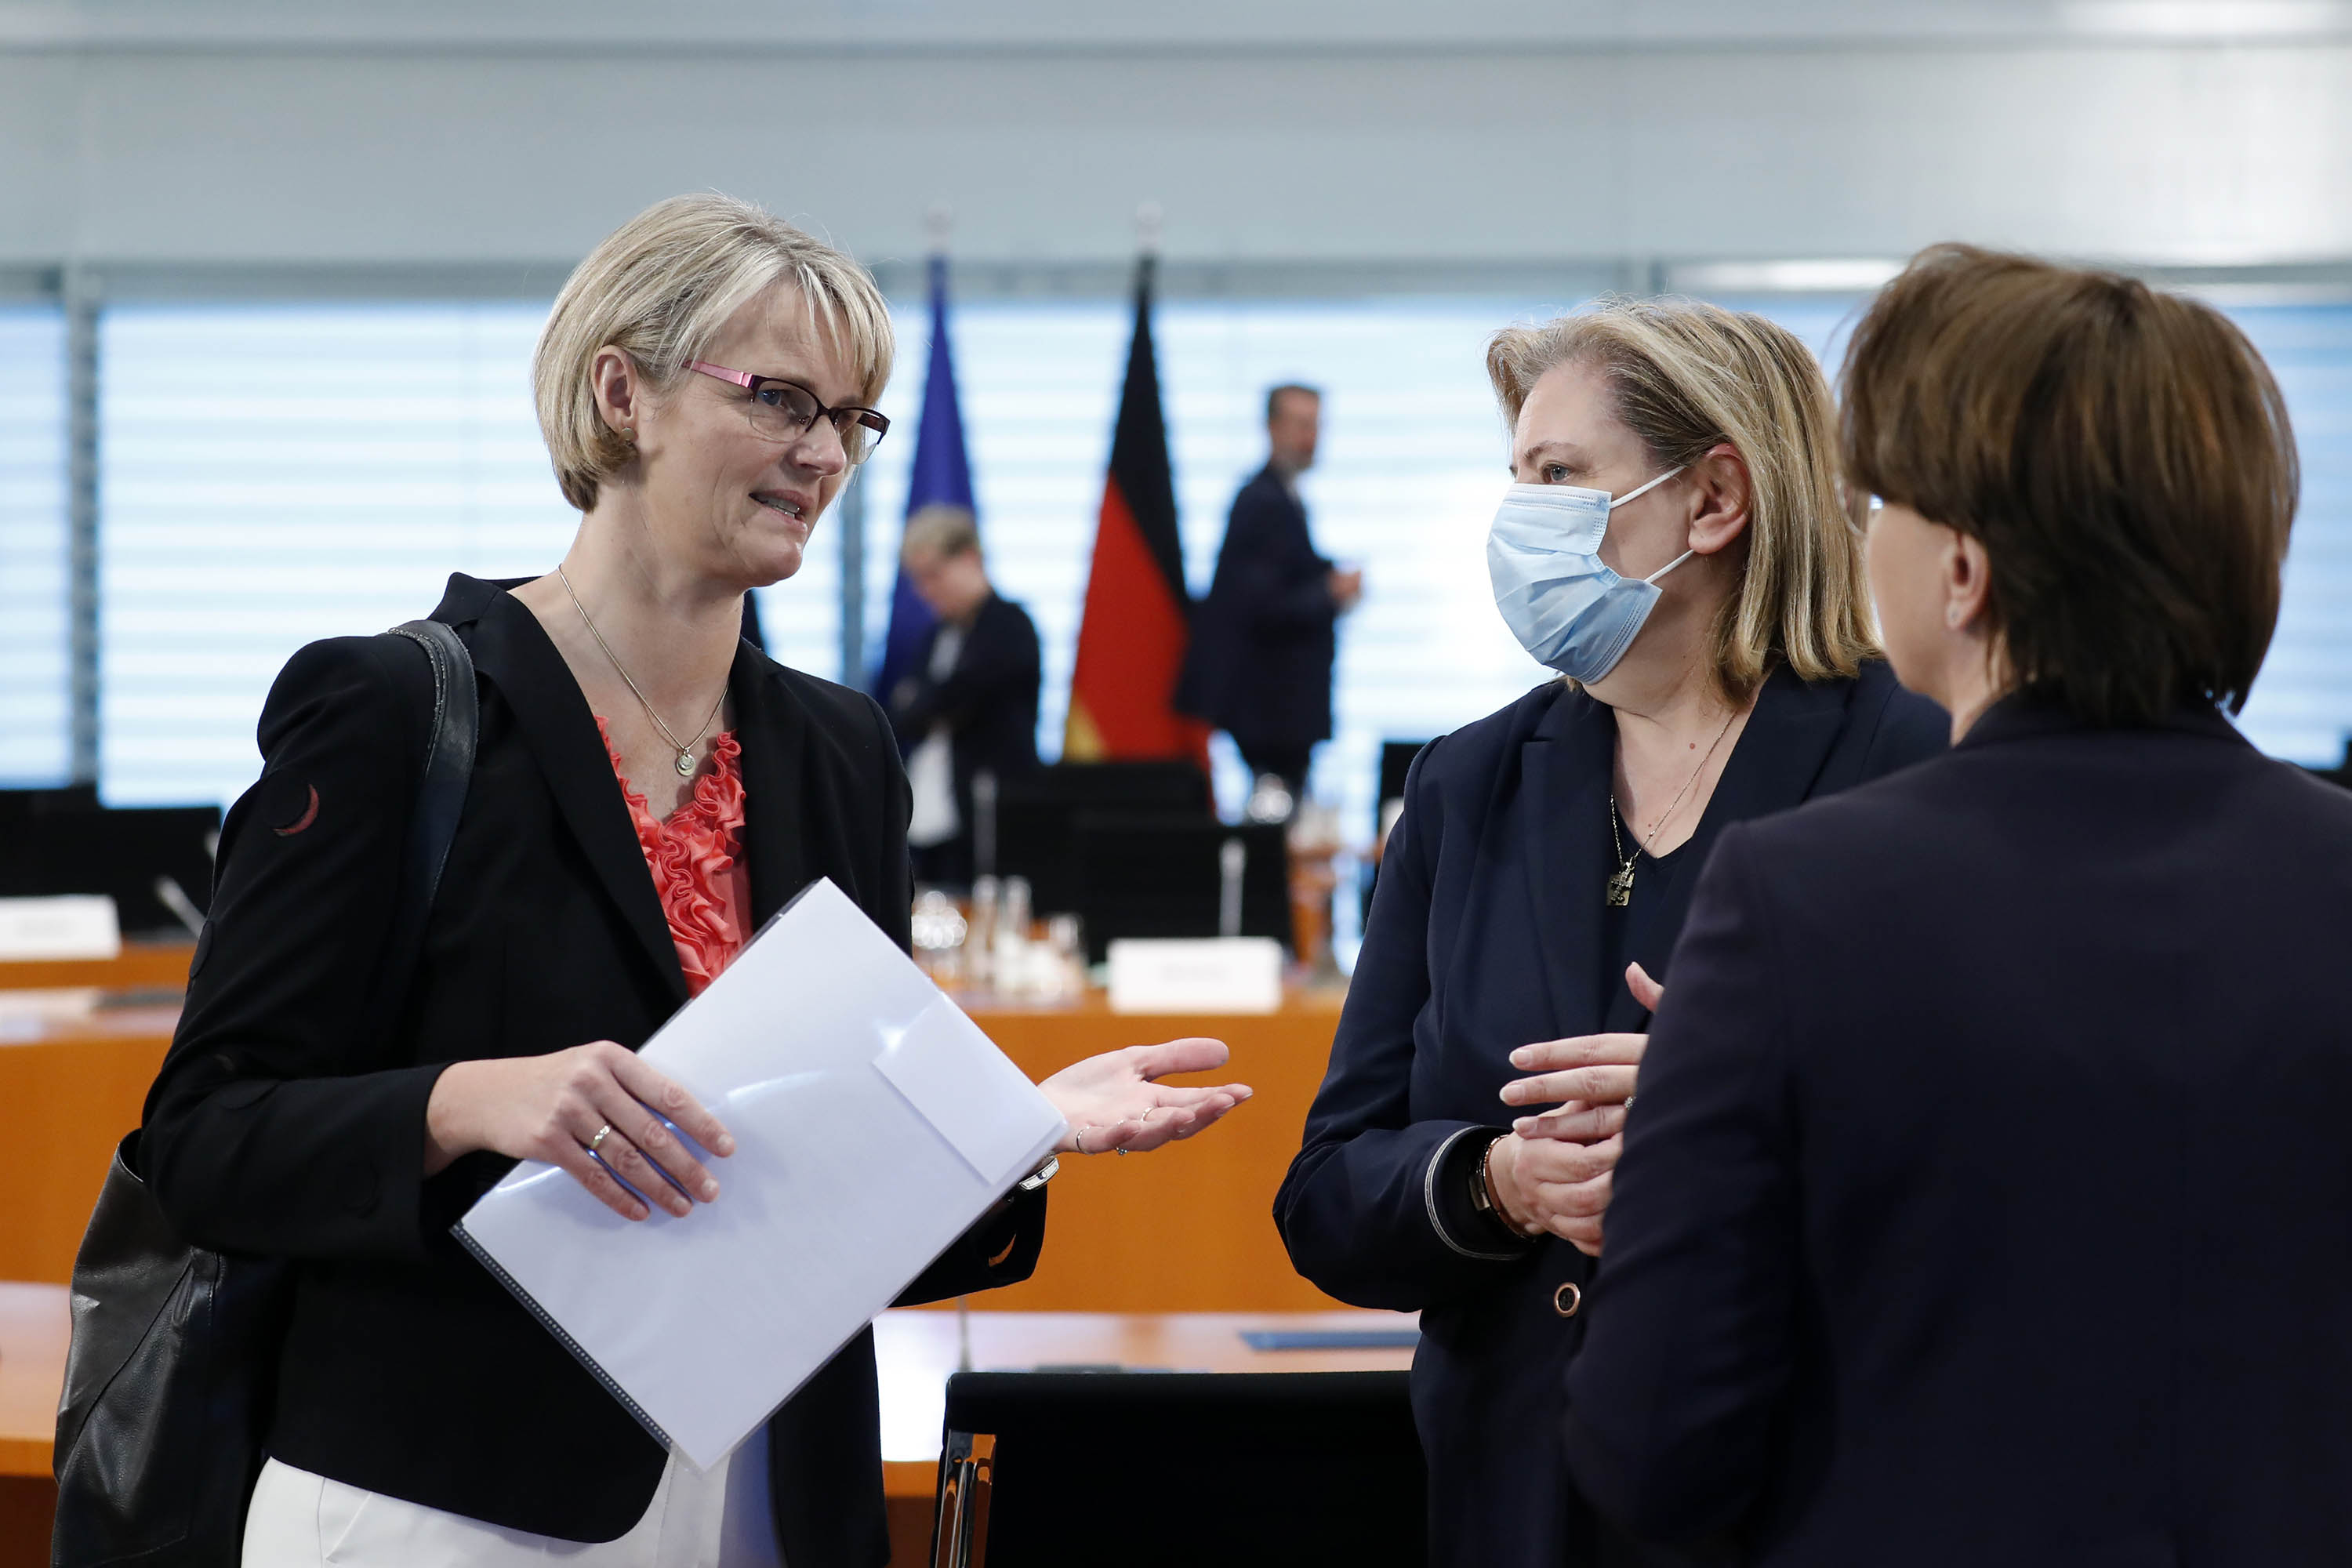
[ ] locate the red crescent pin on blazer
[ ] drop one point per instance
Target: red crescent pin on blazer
(310, 815)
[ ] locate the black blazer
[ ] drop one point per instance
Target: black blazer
(1989, 1198)
(1259, 663)
(1484, 937)
(989, 701)
(289, 1118)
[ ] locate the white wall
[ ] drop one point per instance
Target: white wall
(1375, 131)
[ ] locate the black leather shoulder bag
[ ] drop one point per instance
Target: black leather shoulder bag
(174, 1348)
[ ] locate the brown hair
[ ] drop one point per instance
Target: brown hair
(1686, 377)
(2123, 455)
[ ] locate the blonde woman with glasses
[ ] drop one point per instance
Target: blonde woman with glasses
(1676, 544)
(648, 788)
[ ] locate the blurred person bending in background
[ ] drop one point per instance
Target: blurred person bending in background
(969, 706)
(1989, 1198)
(1541, 869)
(1264, 640)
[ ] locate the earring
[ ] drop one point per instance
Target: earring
(1952, 614)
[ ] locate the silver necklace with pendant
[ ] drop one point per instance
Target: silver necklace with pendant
(1620, 881)
(686, 751)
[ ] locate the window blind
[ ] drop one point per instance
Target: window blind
(2302, 703)
(36, 647)
(2301, 706)
(276, 474)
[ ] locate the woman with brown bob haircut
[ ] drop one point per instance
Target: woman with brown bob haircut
(1677, 547)
(1989, 1199)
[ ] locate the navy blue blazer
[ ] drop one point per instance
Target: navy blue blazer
(1988, 1197)
(1259, 664)
(1484, 936)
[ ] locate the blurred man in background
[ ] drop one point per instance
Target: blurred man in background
(1260, 664)
(970, 707)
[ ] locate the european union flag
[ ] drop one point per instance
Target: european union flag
(942, 473)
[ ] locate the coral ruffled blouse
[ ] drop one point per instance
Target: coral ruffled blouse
(697, 860)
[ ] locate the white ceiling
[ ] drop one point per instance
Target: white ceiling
(1334, 26)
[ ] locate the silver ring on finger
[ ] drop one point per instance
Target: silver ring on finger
(1629, 1102)
(1079, 1143)
(598, 1141)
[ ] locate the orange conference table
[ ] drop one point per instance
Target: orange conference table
(917, 1352)
(1187, 1228)
(1180, 1241)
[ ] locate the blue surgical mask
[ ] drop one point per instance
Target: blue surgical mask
(1567, 610)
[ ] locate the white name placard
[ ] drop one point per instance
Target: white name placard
(1208, 975)
(77, 925)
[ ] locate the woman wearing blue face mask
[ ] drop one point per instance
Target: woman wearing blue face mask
(1677, 545)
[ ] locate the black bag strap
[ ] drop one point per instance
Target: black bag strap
(440, 793)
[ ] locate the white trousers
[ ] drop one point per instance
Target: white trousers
(714, 1519)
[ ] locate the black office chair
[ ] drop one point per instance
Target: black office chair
(155, 862)
(1037, 815)
(16, 805)
(1396, 760)
(1164, 876)
(1045, 1469)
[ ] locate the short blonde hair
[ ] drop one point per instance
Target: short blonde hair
(658, 288)
(942, 527)
(1687, 376)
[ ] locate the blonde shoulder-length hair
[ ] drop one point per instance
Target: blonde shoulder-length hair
(1687, 376)
(658, 288)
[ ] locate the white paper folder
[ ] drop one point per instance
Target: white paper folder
(874, 1124)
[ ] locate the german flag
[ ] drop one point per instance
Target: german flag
(1137, 615)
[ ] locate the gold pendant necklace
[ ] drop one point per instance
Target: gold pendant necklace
(685, 752)
(1620, 881)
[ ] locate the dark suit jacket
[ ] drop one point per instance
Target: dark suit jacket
(1988, 1197)
(289, 1118)
(1259, 664)
(989, 701)
(1483, 938)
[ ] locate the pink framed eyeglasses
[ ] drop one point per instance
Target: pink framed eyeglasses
(784, 411)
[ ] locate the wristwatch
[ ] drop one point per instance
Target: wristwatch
(1042, 1175)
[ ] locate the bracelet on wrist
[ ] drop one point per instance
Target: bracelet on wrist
(1487, 1200)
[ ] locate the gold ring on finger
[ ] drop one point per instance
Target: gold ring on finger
(598, 1141)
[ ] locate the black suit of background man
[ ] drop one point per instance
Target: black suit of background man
(1260, 664)
(979, 701)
